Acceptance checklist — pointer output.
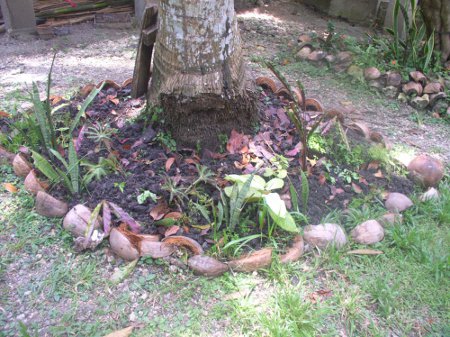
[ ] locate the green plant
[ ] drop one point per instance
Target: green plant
(101, 134)
(165, 139)
(410, 50)
(120, 186)
(144, 196)
(298, 115)
(97, 171)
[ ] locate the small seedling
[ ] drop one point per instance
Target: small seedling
(144, 196)
(120, 186)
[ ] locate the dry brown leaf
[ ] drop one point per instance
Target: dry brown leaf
(379, 174)
(185, 242)
(169, 163)
(365, 252)
(356, 188)
(121, 333)
(173, 215)
(4, 114)
(158, 212)
(374, 165)
(172, 230)
(10, 187)
(236, 142)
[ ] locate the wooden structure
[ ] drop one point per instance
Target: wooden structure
(142, 71)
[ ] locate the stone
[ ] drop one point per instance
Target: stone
(397, 202)
(420, 102)
(19, 16)
(393, 79)
(324, 235)
(426, 170)
(330, 58)
(432, 88)
(390, 91)
(367, 233)
(372, 73)
(344, 57)
(377, 84)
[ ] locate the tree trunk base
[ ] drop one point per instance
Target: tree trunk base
(199, 121)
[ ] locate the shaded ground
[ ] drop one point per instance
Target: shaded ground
(55, 292)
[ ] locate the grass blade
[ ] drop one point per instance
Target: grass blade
(84, 106)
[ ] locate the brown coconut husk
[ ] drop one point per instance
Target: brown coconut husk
(21, 166)
(49, 206)
(266, 83)
(206, 266)
(184, 241)
(253, 261)
(33, 184)
(294, 252)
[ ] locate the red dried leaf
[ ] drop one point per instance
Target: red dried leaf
(379, 174)
(322, 179)
(191, 161)
(4, 114)
(169, 163)
(10, 187)
(125, 217)
(106, 218)
(373, 165)
(236, 142)
(363, 181)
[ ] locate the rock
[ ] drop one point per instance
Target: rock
(393, 79)
(390, 91)
(49, 206)
(367, 233)
(391, 219)
(432, 88)
(207, 266)
(402, 98)
(21, 166)
(122, 246)
(76, 220)
(325, 234)
(372, 73)
(431, 194)
(426, 170)
(317, 55)
(397, 202)
(6, 157)
(420, 103)
(418, 77)
(304, 53)
(344, 57)
(412, 88)
(355, 72)
(377, 84)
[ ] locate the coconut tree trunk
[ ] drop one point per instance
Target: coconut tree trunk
(437, 17)
(199, 75)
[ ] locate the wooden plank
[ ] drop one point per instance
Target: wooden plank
(141, 74)
(149, 35)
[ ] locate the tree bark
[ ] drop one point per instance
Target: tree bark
(199, 75)
(437, 18)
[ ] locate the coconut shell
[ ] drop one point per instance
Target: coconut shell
(86, 90)
(33, 184)
(207, 266)
(361, 128)
(432, 88)
(6, 157)
(426, 170)
(49, 206)
(21, 166)
(304, 38)
(154, 249)
(312, 104)
(127, 82)
(317, 55)
(367, 233)
(390, 219)
(336, 112)
(397, 202)
(324, 235)
(298, 95)
(253, 261)
(108, 84)
(184, 241)
(122, 246)
(76, 220)
(412, 88)
(393, 79)
(304, 53)
(294, 252)
(372, 73)
(431, 194)
(266, 83)
(418, 77)
(283, 92)
(434, 98)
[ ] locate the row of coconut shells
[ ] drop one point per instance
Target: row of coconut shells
(419, 91)
(130, 245)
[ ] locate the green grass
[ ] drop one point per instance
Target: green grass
(329, 293)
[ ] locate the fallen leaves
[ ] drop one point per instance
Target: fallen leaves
(364, 252)
(237, 143)
(121, 333)
(10, 187)
(158, 212)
